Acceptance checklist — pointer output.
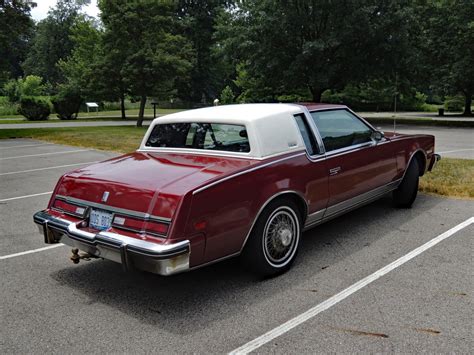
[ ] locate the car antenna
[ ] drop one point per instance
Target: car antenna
(395, 106)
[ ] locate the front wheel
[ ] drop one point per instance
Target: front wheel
(273, 242)
(405, 194)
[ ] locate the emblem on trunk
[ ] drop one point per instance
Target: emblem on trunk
(105, 196)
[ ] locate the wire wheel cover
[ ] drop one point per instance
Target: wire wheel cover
(280, 235)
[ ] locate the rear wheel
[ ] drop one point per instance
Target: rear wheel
(274, 240)
(405, 194)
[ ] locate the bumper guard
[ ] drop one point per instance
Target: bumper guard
(434, 160)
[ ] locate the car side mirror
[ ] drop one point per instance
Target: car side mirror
(377, 136)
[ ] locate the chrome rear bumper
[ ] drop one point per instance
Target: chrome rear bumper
(162, 259)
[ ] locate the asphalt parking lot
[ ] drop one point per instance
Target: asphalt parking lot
(423, 304)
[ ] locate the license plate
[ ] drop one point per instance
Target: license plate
(100, 219)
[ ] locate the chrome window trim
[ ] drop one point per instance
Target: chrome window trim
(261, 166)
(349, 149)
(316, 134)
(343, 150)
(311, 133)
(203, 151)
(240, 155)
(112, 209)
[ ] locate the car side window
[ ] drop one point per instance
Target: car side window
(340, 129)
(307, 135)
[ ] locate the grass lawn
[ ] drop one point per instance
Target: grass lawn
(451, 177)
(93, 116)
(122, 139)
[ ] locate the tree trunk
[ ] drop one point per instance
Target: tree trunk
(316, 93)
(467, 104)
(141, 113)
(122, 106)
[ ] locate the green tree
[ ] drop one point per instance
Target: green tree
(199, 22)
(151, 52)
(16, 28)
(77, 68)
(449, 47)
(293, 45)
(52, 41)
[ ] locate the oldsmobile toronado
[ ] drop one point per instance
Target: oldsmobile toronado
(237, 180)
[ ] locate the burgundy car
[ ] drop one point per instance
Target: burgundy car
(218, 182)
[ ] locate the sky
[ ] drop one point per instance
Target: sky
(41, 10)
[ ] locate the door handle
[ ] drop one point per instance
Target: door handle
(334, 171)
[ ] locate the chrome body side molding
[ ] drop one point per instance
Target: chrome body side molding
(340, 208)
(314, 218)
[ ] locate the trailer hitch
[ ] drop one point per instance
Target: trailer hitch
(76, 256)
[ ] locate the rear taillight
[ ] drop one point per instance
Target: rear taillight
(156, 228)
(140, 226)
(69, 208)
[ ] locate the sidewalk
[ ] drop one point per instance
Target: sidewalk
(415, 115)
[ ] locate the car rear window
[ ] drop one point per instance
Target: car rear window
(194, 135)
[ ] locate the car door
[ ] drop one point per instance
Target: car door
(359, 168)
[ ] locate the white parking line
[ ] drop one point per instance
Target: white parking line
(455, 151)
(37, 155)
(26, 196)
(30, 251)
(48, 168)
(26, 145)
(312, 312)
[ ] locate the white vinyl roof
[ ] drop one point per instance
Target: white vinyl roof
(242, 113)
(271, 128)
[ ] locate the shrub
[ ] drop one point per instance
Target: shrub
(34, 108)
(29, 86)
(67, 104)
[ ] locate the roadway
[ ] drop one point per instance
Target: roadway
(423, 302)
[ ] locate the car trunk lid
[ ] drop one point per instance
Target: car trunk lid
(151, 183)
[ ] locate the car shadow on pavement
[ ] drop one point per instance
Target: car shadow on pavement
(188, 302)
